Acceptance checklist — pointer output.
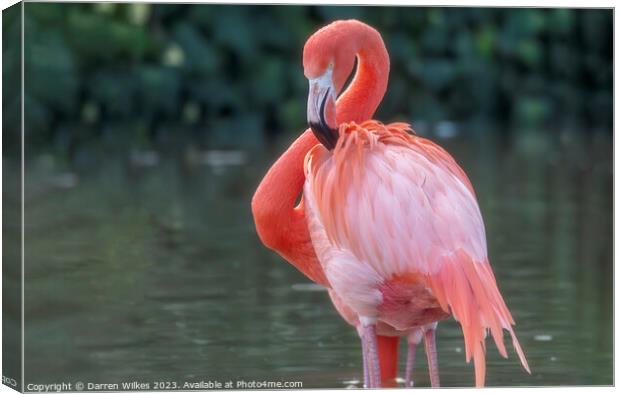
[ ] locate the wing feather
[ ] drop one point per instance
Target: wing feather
(399, 205)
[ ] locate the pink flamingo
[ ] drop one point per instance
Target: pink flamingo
(388, 220)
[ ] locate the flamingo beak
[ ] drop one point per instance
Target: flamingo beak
(322, 109)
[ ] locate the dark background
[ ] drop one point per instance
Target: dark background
(134, 75)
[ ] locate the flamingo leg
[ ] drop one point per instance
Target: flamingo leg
(360, 332)
(369, 342)
(366, 372)
(431, 355)
(410, 363)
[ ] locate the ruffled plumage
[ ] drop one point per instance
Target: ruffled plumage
(388, 204)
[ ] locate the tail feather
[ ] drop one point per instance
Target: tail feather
(468, 291)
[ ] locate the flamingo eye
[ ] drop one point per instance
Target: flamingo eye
(330, 66)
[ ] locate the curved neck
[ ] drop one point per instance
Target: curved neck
(280, 225)
(361, 99)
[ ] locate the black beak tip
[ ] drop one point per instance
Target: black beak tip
(326, 135)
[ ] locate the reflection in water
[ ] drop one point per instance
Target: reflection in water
(155, 273)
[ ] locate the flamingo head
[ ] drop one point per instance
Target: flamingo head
(328, 59)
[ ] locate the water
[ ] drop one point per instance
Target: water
(149, 269)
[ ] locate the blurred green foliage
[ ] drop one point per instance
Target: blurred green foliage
(139, 73)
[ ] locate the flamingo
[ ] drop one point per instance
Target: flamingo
(388, 221)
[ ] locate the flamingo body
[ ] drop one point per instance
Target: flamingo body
(397, 229)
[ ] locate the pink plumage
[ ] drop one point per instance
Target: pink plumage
(398, 232)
